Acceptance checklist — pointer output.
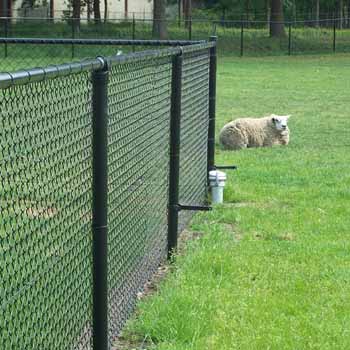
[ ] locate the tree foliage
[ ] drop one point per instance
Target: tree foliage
(292, 9)
(159, 22)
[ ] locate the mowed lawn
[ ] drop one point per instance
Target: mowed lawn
(271, 269)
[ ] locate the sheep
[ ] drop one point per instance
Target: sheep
(255, 132)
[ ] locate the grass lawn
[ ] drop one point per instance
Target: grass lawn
(272, 269)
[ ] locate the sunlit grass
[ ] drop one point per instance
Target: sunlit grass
(272, 270)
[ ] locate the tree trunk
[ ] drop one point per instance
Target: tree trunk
(317, 15)
(88, 10)
(341, 9)
(76, 15)
(159, 23)
(97, 12)
(276, 24)
(187, 12)
(106, 10)
(52, 9)
(247, 8)
(5, 8)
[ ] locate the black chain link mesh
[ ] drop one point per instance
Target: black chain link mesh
(139, 122)
(21, 56)
(45, 222)
(194, 131)
(46, 193)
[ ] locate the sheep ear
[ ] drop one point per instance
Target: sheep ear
(273, 119)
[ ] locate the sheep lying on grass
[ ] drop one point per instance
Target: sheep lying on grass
(255, 132)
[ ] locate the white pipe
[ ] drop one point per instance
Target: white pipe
(217, 181)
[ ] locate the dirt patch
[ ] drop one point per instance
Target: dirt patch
(38, 212)
(129, 344)
(231, 228)
(287, 236)
(185, 237)
(150, 288)
(239, 205)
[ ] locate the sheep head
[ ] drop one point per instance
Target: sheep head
(280, 122)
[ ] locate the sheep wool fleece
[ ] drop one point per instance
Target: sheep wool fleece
(252, 132)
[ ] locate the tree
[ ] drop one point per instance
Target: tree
(317, 13)
(97, 12)
(159, 21)
(341, 13)
(106, 10)
(277, 19)
(187, 6)
(76, 15)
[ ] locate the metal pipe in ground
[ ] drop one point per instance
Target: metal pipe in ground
(242, 39)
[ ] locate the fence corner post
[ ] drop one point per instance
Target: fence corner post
(212, 105)
(99, 206)
(73, 35)
(133, 30)
(174, 162)
(334, 33)
(242, 39)
(6, 34)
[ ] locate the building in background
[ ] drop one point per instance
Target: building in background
(59, 9)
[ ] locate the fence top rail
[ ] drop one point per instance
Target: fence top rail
(124, 42)
(21, 77)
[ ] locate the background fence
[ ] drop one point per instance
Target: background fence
(237, 37)
(91, 155)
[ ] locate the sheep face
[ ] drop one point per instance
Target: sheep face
(280, 122)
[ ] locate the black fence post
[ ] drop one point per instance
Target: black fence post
(73, 35)
(242, 38)
(174, 166)
(214, 28)
(290, 38)
(212, 105)
(334, 33)
(6, 34)
(133, 30)
(99, 208)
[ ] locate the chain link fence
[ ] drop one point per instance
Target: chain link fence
(45, 224)
(85, 208)
(236, 37)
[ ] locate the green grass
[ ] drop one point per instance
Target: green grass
(272, 270)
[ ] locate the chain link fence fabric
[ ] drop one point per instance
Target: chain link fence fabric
(138, 156)
(45, 224)
(194, 132)
(46, 191)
